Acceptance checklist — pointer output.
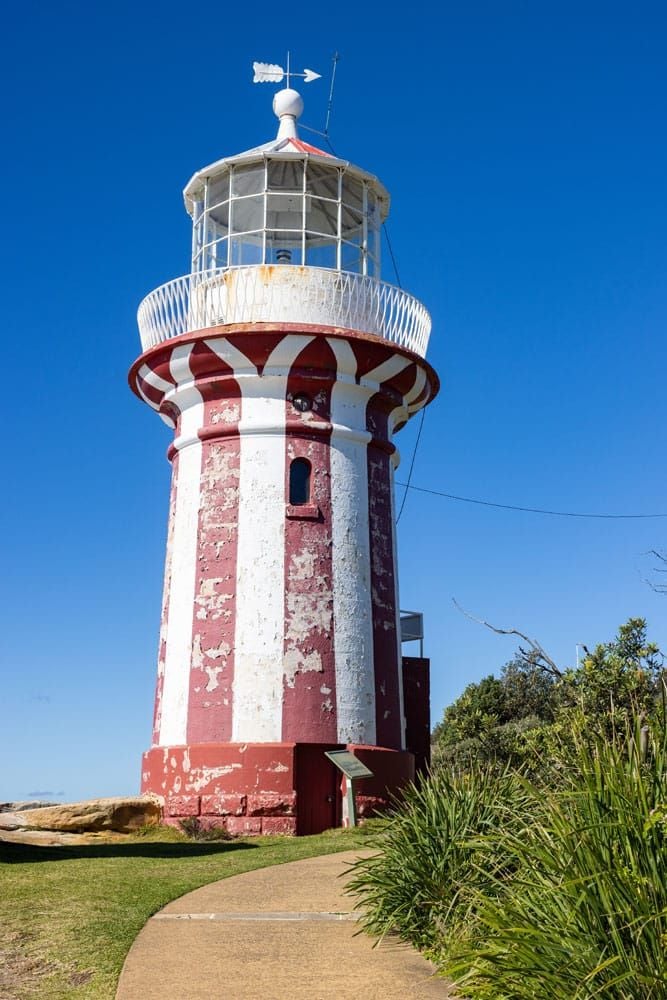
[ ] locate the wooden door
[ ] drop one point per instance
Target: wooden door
(318, 790)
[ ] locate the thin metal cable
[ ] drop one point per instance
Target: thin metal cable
(412, 465)
(391, 254)
(525, 510)
(398, 282)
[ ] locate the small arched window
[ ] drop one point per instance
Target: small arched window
(299, 482)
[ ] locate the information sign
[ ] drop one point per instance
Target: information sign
(350, 765)
(352, 768)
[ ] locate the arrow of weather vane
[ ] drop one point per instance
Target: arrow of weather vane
(272, 73)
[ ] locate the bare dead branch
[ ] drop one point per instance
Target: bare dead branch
(657, 588)
(536, 655)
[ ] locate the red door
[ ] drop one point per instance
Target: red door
(318, 789)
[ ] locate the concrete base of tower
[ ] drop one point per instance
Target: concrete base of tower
(269, 788)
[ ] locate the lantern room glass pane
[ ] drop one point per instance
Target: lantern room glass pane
(214, 232)
(322, 180)
(321, 216)
(352, 224)
(217, 190)
(283, 248)
(215, 255)
(277, 237)
(321, 254)
(219, 217)
(351, 258)
(284, 211)
(248, 179)
(285, 175)
(247, 214)
(246, 250)
(221, 252)
(353, 192)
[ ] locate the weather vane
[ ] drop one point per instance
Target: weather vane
(272, 73)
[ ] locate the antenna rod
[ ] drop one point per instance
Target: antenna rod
(336, 57)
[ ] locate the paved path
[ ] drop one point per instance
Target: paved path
(281, 933)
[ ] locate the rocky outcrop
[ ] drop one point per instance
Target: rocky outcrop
(13, 807)
(120, 813)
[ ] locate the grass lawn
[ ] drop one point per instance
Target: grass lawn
(68, 915)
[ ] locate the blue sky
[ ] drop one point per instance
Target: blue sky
(524, 148)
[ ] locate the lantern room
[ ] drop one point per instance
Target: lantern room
(286, 202)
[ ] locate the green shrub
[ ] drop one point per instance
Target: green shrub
(419, 884)
(512, 743)
(527, 892)
(192, 827)
(585, 913)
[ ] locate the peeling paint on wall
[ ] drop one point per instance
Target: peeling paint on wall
(279, 622)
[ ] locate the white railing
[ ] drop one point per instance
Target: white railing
(283, 294)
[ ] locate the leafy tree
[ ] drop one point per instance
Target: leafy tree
(491, 719)
(480, 707)
(530, 691)
(617, 680)
(526, 715)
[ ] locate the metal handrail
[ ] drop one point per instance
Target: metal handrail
(283, 293)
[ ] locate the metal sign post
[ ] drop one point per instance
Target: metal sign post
(352, 769)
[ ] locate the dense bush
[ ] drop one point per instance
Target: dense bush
(585, 914)
(527, 893)
(523, 716)
(419, 883)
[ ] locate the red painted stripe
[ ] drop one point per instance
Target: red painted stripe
(383, 568)
(210, 705)
(309, 680)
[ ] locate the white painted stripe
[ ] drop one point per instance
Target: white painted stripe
(153, 406)
(392, 366)
(143, 374)
(353, 611)
(231, 356)
(416, 390)
(173, 729)
(402, 413)
(420, 381)
(345, 359)
(260, 578)
(283, 355)
(149, 376)
(394, 543)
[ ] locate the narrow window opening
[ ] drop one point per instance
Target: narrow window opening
(299, 482)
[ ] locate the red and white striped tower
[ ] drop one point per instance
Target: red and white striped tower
(284, 366)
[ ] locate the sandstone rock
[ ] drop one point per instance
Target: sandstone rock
(55, 838)
(14, 807)
(119, 813)
(11, 821)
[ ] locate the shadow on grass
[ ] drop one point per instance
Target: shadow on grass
(29, 853)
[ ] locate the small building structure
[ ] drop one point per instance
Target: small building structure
(284, 365)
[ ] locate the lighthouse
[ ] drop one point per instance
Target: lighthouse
(284, 365)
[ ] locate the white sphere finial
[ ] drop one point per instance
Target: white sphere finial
(288, 107)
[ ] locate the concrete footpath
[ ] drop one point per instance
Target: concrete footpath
(281, 933)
